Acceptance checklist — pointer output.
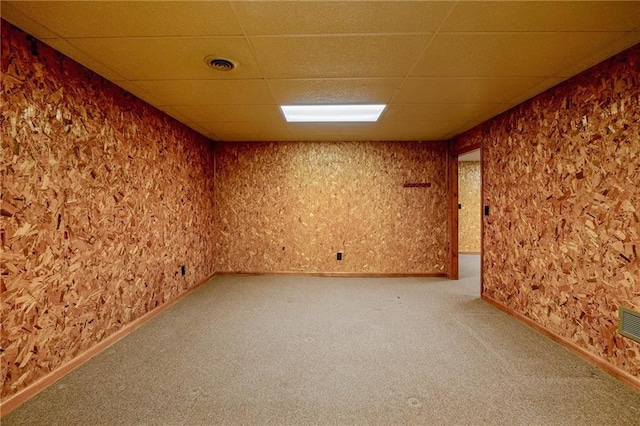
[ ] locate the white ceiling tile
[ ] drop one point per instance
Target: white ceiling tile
(251, 137)
(248, 131)
(543, 16)
(542, 86)
(171, 58)
(484, 116)
(599, 53)
(244, 126)
(460, 113)
(231, 113)
(208, 92)
(104, 68)
(137, 91)
(334, 91)
(338, 56)
(490, 56)
(406, 130)
(330, 128)
(460, 128)
(340, 17)
(10, 11)
(507, 54)
(310, 137)
(384, 131)
(198, 128)
(133, 18)
(173, 112)
(462, 90)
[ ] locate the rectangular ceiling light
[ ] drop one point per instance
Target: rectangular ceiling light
(332, 113)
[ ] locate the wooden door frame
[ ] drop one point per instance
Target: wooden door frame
(452, 213)
(453, 152)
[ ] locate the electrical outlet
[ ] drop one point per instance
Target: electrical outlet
(339, 256)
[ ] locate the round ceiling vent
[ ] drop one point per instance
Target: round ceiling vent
(220, 64)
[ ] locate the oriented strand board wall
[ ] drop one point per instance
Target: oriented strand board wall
(469, 215)
(103, 198)
(562, 179)
(464, 145)
(289, 207)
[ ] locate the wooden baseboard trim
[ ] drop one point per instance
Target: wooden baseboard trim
(330, 274)
(19, 398)
(616, 372)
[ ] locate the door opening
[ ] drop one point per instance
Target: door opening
(470, 214)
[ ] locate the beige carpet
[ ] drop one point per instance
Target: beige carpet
(291, 350)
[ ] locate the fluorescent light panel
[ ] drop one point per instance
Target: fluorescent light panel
(332, 113)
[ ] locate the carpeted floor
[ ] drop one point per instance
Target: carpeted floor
(292, 350)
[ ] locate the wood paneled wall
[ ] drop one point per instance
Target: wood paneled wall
(562, 181)
(290, 207)
(469, 188)
(104, 198)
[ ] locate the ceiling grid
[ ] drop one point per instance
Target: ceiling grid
(441, 67)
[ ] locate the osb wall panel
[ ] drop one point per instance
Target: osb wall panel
(461, 145)
(561, 177)
(469, 213)
(290, 207)
(103, 199)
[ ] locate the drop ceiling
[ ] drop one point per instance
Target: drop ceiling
(442, 67)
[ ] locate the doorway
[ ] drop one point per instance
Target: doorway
(469, 213)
